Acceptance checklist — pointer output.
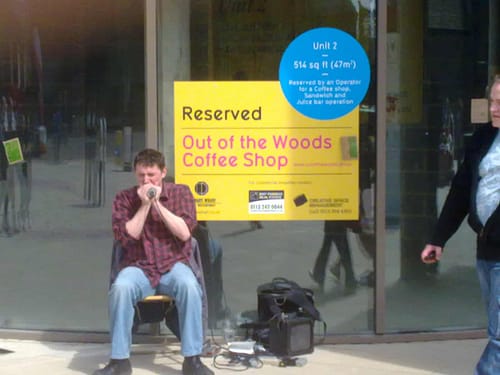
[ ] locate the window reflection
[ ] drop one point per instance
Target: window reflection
(245, 41)
(72, 92)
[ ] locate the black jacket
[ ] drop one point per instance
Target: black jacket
(461, 200)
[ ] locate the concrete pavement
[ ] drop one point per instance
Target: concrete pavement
(456, 357)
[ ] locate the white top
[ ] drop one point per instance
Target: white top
(488, 191)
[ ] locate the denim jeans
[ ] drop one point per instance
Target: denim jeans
(132, 285)
(489, 280)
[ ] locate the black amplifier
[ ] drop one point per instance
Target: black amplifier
(291, 336)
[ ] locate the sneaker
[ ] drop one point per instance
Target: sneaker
(194, 366)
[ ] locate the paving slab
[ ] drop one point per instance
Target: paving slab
(456, 357)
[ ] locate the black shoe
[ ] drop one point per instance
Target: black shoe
(194, 366)
(116, 367)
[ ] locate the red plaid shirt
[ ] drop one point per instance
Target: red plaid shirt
(157, 250)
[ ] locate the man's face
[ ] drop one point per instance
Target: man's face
(495, 105)
(149, 174)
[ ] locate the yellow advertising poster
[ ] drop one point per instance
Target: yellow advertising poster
(247, 154)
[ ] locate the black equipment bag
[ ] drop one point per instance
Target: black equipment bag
(286, 315)
(285, 296)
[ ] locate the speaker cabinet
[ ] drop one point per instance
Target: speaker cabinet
(289, 337)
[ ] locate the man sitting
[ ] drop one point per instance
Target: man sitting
(153, 222)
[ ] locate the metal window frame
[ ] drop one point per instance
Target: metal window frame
(151, 72)
(380, 186)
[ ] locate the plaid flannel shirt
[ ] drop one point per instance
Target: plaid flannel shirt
(157, 250)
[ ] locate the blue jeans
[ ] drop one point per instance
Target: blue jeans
(489, 280)
(132, 285)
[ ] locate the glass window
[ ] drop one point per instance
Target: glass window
(244, 40)
(72, 91)
(428, 124)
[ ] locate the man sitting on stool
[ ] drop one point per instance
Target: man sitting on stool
(153, 222)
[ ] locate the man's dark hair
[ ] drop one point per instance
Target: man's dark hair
(150, 157)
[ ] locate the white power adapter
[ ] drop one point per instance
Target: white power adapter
(242, 347)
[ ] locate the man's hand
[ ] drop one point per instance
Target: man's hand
(135, 225)
(431, 254)
(148, 193)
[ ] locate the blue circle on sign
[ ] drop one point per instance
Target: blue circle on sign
(324, 73)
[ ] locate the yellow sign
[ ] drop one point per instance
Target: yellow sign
(248, 155)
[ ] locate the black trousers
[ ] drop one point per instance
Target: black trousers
(335, 232)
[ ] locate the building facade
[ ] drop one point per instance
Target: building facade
(84, 85)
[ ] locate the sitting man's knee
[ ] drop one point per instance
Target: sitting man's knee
(189, 285)
(121, 287)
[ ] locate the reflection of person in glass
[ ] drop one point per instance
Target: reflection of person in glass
(58, 128)
(153, 222)
(475, 192)
(335, 232)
